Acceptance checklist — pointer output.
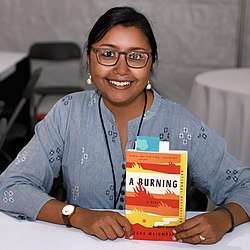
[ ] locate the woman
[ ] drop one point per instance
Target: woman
(86, 135)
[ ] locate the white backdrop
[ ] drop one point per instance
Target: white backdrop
(193, 35)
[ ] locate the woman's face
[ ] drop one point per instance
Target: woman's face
(121, 84)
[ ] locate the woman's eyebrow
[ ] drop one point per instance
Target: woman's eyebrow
(117, 48)
(137, 48)
(108, 45)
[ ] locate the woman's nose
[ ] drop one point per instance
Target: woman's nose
(121, 66)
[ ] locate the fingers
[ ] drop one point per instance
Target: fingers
(206, 228)
(193, 231)
(193, 239)
(186, 233)
(188, 224)
(107, 225)
(125, 224)
(99, 233)
(196, 239)
(120, 226)
(108, 233)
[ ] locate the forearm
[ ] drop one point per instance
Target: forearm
(103, 224)
(239, 214)
(52, 212)
(208, 228)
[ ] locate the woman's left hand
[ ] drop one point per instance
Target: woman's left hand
(206, 228)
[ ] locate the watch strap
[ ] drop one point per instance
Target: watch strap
(66, 218)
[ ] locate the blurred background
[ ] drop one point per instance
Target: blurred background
(193, 35)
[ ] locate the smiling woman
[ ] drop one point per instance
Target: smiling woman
(118, 73)
(86, 134)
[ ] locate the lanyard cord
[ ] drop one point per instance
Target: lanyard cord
(109, 152)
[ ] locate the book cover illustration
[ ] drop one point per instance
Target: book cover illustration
(155, 192)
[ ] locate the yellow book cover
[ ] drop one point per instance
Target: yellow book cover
(155, 192)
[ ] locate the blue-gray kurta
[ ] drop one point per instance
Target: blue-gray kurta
(71, 137)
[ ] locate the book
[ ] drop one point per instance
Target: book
(155, 192)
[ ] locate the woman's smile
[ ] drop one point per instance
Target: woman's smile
(120, 83)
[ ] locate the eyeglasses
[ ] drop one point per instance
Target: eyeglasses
(110, 57)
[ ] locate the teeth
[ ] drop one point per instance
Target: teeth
(120, 84)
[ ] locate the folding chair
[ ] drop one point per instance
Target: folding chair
(13, 130)
(55, 54)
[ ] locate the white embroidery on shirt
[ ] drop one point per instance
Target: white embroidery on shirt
(232, 175)
(203, 133)
(110, 193)
(21, 157)
(55, 155)
(185, 136)
(85, 156)
(92, 102)
(8, 196)
(75, 192)
(66, 99)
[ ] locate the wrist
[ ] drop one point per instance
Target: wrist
(230, 215)
(67, 212)
(78, 218)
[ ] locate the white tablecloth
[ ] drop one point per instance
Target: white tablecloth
(24, 235)
(8, 61)
(221, 98)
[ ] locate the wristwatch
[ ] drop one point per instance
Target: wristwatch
(67, 212)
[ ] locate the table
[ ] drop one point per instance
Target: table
(23, 235)
(8, 62)
(221, 98)
(14, 76)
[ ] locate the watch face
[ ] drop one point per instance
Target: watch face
(68, 210)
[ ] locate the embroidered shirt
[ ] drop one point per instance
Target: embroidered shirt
(71, 137)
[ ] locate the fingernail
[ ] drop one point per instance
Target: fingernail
(174, 231)
(131, 237)
(180, 240)
(173, 238)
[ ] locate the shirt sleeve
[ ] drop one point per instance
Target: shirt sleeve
(217, 173)
(25, 184)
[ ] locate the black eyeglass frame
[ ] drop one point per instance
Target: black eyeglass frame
(95, 50)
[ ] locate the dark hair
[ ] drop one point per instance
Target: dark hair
(126, 16)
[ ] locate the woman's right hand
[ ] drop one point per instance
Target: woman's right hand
(102, 224)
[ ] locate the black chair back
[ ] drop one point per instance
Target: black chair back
(55, 51)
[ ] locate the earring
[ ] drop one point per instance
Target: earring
(148, 87)
(89, 80)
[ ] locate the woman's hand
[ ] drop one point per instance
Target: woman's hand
(206, 228)
(103, 224)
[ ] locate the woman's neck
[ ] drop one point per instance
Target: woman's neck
(127, 112)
